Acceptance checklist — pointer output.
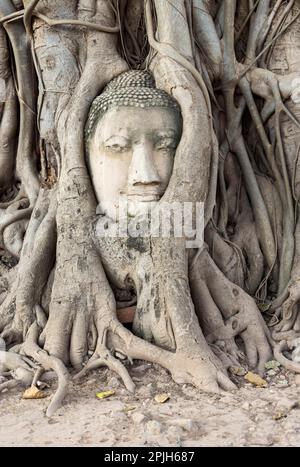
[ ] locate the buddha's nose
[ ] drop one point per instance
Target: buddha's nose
(142, 170)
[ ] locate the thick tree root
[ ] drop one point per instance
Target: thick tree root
(19, 367)
(225, 311)
(82, 313)
(198, 368)
(202, 371)
(11, 384)
(103, 357)
(111, 362)
(48, 362)
(36, 262)
(287, 328)
(290, 316)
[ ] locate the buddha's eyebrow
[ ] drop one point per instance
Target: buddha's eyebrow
(167, 133)
(120, 137)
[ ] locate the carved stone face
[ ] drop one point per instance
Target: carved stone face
(131, 155)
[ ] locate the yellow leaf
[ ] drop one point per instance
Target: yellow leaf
(104, 394)
(255, 379)
(34, 393)
(161, 398)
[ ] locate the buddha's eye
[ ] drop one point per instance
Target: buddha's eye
(166, 144)
(117, 148)
(117, 144)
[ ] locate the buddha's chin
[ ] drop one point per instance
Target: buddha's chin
(138, 205)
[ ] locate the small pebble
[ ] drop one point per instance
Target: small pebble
(91, 381)
(153, 427)
(245, 406)
(138, 417)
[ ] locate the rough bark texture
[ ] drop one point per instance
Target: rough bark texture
(233, 69)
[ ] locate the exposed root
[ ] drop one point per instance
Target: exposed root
(10, 384)
(111, 362)
(36, 261)
(75, 22)
(38, 374)
(225, 311)
(278, 354)
(48, 362)
(201, 369)
(82, 313)
(284, 335)
(26, 89)
(8, 133)
(289, 311)
(103, 357)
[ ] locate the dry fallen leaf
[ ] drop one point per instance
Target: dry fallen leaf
(34, 393)
(161, 398)
(255, 379)
(104, 394)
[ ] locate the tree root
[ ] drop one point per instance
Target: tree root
(25, 161)
(48, 362)
(278, 354)
(288, 327)
(225, 311)
(284, 335)
(12, 383)
(103, 357)
(82, 303)
(7, 313)
(200, 369)
(289, 313)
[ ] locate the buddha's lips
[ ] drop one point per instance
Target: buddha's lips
(143, 197)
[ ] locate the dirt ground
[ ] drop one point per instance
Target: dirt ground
(250, 416)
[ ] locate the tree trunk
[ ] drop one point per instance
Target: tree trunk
(232, 68)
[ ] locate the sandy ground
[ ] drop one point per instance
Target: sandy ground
(250, 416)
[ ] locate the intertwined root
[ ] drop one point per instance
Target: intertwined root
(197, 366)
(18, 366)
(225, 312)
(193, 362)
(279, 349)
(104, 357)
(203, 370)
(289, 313)
(286, 332)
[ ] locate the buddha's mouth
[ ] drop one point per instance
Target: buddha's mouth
(143, 197)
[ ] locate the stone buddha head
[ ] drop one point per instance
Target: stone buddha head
(132, 133)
